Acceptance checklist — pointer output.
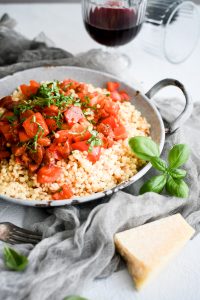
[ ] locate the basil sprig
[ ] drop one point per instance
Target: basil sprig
(14, 260)
(171, 177)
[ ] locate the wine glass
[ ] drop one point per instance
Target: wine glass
(113, 24)
(172, 29)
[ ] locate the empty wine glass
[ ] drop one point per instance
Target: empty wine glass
(171, 30)
(113, 24)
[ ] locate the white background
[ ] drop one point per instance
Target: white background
(63, 24)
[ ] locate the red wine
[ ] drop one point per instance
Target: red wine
(112, 38)
(112, 26)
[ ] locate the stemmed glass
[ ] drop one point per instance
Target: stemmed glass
(113, 24)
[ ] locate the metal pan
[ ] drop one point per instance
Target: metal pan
(142, 102)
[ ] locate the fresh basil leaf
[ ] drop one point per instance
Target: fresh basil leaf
(14, 260)
(177, 187)
(144, 147)
(178, 155)
(177, 173)
(155, 184)
(159, 163)
(74, 298)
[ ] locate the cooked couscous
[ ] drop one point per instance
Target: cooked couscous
(65, 139)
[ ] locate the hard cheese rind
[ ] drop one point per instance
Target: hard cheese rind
(149, 247)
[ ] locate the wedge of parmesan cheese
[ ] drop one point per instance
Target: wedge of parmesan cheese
(149, 247)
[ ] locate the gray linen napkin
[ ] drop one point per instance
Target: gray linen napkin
(78, 240)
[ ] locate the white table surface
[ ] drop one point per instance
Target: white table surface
(63, 24)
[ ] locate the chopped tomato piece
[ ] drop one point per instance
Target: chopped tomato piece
(28, 90)
(23, 137)
(115, 95)
(37, 155)
(84, 122)
(68, 84)
(93, 156)
(51, 110)
(63, 150)
(81, 87)
(51, 123)
(9, 132)
(33, 167)
(81, 146)
(7, 115)
(124, 96)
(93, 94)
(81, 96)
(64, 193)
(78, 133)
(54, 153)
(111, 121)
(6, 102)
(34, 123)
(18, 160)
(82, 137)
(112, 86)
(2, 124)
(61, 136)
(102, 114)
(64, 126)
(2, 141)
(34, 83)
(94, 101)
(26, 114)
(106, 130)
(44, 141)
(58, 152)
(111, 108)
(25, 159)
(107, 142)
(18, 151)
(4, 154)
(73, 115)
(120, 133)
(49, 157)
(48, 174)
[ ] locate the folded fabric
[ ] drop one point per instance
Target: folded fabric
(78, 240)
(19, 53)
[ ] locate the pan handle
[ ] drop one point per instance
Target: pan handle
(185, 114)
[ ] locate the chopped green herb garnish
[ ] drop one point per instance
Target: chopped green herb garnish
(77, 104)
(59, 190)
(11, 119)
(86, 100)
(48, 90)
(87, 113)
(33, 143)
(47, 94)
(86, 103)
(58, 119)
(22, 107)
(94, 140)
